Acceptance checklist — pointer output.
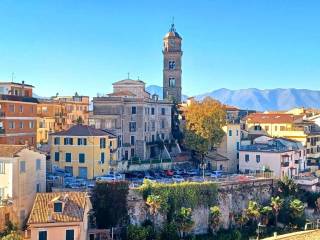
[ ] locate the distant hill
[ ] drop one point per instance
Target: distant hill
(261, 100)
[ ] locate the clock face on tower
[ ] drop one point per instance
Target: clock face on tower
(171, 42)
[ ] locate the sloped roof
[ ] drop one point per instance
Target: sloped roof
(128, 82)
(18, 98)
(10, 150)
(121, 94)
(272, 118)
(73, 210)
(82, 130)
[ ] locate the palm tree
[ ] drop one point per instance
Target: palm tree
(215, 214)
(253, 211)
(265, 212)
(276, 204)
(154, 203)
(297, 208)
(184, 221)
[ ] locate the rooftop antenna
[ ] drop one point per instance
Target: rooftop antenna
(128, 75)
(138, 78)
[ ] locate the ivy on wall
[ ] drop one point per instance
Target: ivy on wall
(177, 195)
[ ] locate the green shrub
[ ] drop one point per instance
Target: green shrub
(169, 232)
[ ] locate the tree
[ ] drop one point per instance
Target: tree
(204, 122)
(253, 211)
(175, 123)
(287, 187)
(154, 203)
(214, 217)
(79, 120)
(137, 233)
(12, 236)
(276, 204)
(265, 213)
(109, 201)
(297, 208)
(184, 221)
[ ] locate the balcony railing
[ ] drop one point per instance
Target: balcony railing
(6, 201)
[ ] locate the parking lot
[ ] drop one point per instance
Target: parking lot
(61, 179)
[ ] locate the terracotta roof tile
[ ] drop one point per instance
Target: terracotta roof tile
(272, 118)
(73, 210)
(122, 93)
(10, 150)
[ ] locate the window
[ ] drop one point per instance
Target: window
(162, 124)
(172, 82)
(102, 157)
(102, 143)
(152, 111)
(82, 157)
(11, 108)
(22, 216)
(21, 124)
(276, 128)
(11, 124)
(22, 167)
(57, 156)
(82, 141)
(57, 207)
(163, 111)
(230, 133)
(21, 108)
(132, 140)
(145, 126)
(266, 128)
(38, 164)
(133, 110)
(247, 158)
(42, 235)
(172, 65)
(69, 169)
(31, 124)
(237, 133)
(153, 126)
(68, 141)
(70, 234)
(282, 128)
(257, 158)
(238, 145)
(132, 152)
(110, 144)
(257, 128)
(38, 187)
(68, 157)
(132, 126)
(56, 141)
(2, 167)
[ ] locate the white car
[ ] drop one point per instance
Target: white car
(107, 178)
(177, 178)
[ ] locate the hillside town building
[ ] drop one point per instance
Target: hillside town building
(139, 120)
(83, 151)
(22, 175)
(18, 114)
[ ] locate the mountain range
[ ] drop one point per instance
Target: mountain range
(258, 99)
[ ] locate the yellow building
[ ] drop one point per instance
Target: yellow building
(59, 215)
(84, 151)
(22, 175)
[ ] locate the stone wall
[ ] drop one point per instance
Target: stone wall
(232, 199)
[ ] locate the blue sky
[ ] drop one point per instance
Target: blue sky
(84, 46)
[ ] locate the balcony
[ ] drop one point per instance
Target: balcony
(6, 201)
(285, 164)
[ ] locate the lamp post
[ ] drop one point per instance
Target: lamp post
(203, 166)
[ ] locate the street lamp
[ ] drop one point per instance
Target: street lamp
(203, 166)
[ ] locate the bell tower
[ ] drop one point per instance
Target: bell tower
(172, 72)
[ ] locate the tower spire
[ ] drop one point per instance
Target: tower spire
(172, 29)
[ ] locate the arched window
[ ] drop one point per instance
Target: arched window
(172, 82)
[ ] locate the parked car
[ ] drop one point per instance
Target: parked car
(169, 172)
(107, 178)
(192, 172)
(177, 178)
(149, 178)
(216, 174)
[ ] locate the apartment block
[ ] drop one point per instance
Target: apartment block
(22, 175)
(84, 151)
(138, 119)
(18, 114)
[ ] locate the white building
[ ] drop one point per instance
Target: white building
(22, 175)
(282, 156)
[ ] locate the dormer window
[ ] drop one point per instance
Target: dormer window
(57, 207)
